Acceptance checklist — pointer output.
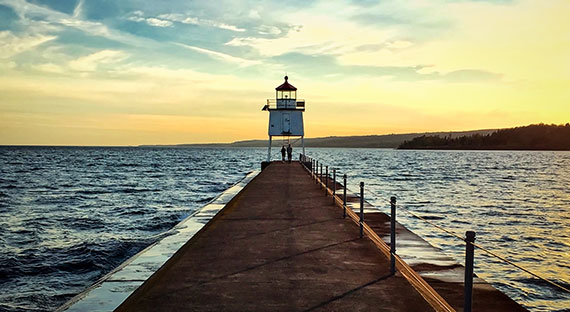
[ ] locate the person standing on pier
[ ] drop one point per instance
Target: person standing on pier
(289, 152)
(283, 153)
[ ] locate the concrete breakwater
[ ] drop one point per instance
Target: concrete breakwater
(281, 245)
(113, 288)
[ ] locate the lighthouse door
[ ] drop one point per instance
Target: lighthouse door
(286, 123)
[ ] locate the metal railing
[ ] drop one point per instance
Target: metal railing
(313, 166)
(295, 104)
(315, 169)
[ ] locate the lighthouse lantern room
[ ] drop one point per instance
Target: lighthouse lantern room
(285, 115)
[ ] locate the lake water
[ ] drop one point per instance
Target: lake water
(68, 215)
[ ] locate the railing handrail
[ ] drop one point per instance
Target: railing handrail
(426, 291)
(272, 105)
(271, 101)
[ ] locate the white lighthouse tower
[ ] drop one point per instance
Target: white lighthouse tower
(285, 115)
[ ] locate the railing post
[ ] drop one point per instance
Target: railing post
(344, 198)
(327, 181)
(334, 184)
(316, 171)
(313, 167)
(361, 209)
(321, 176)
(468, 284)
(393, 235)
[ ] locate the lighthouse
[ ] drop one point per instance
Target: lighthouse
(285, 115)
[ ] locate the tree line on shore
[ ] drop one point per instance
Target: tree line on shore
(532, 137)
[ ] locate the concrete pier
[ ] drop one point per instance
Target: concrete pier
(280, 245)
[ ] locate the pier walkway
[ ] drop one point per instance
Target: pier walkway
(280, 245)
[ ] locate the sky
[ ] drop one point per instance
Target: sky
(129, 72)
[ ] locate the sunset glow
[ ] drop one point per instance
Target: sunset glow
(85, 72)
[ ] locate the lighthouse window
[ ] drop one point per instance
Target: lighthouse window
(286, 94)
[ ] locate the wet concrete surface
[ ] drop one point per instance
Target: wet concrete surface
(279, 245)
(441, 272)
(111, 290)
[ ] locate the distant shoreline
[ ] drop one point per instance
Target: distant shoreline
(538, 137)
(453, 140)
(359, 141)
(225, 146)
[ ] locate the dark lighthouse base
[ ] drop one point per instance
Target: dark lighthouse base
(264, 164)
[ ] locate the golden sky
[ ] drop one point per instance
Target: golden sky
(95, 72)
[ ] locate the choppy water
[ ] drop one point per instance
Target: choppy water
(518, 203)
(69, 215)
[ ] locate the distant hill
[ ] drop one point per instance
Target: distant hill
(366, 141)
(532, 137)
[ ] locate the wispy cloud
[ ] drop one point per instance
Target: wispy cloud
(28, 11)
(471, 75)
(35, 19)
(153, 21)
(221, 56)
(167, 19)
(13, 45)
(77, 12)
(138, 16)
(186, 19)
(90, 62)
(49, 68)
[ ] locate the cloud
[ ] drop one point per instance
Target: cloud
(322, 31)
(328, 66)
(166, 20)
(152, 21)
(65, 6)
(13, 45)
(35, 19)
(398, 44)
(78, 10)
(92, 61)
(30, 12)
(254, 14)
(471, 75)
(186, 19)
(269, 30)
(221, 56)
(49, 68)
(138, 16)
(416, 19)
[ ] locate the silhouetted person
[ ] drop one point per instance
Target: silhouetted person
(283, 153)
(289, 152)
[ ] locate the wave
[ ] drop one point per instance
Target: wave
(110, 203)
